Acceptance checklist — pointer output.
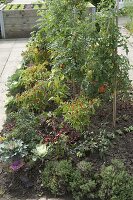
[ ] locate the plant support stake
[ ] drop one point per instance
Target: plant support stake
(115, 79)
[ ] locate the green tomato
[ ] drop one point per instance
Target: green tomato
(89, 74)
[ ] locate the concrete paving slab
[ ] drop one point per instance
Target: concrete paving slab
(125, 32)
(9, 69)
(3, 87)
(2, 113)
(130, 55)
(10, 60)
(131, 74)
(5, 50)
(6, 43)
(3, 97)
(123, 20)
(15, 54)
(20, 43)
(1, 67)
(2, 117)
(4, 54)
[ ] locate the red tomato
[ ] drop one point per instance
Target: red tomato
(102, 89)
(62, 65)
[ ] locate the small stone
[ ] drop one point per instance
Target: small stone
(31, 199)
(3, 199)
(7, 197)
(2, 191)
(1, 170)
(42, 198)
(55, 199)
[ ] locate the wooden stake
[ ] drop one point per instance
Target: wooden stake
(114, 104)
(115, 78)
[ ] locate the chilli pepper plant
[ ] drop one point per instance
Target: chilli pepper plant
(59, 110)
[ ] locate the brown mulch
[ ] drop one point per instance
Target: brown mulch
(121, 148)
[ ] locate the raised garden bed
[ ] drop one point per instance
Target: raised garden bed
(19, 20)
(59, 137)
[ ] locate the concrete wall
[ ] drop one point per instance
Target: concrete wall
(19, 23)
(121, 4)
